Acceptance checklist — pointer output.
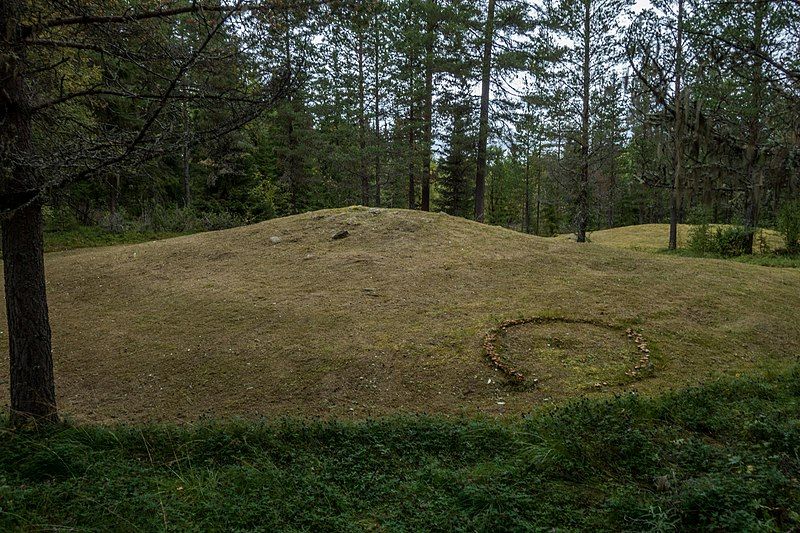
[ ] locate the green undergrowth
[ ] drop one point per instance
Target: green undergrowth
(723, 456)
(94, 236)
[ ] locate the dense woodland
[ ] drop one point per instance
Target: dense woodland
(548, 117)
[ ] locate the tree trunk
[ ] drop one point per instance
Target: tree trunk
(362, 124)
(583, 184)
(30, 354)
(677, 178)
(754, 172)
(33, 394)
(411, 159)
(483, 126)
(377, 119)
(412, 188)
(527, 211)
(187, 184)
(427, 114)
(538, 202)
(113, 194)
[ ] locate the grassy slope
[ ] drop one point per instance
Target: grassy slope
(92, 236)
(723, 457)
(387, 320)
(653, 237)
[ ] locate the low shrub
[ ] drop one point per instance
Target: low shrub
(789, 226)
(700, 238)
(184, 220)
(731, 241)
(727, 241)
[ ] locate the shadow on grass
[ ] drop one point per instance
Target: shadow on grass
(720, 456)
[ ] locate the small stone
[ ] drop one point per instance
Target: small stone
(374, 210)
(275, 239)
(308, 256)
(341, 234)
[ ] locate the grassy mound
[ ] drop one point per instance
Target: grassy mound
(723, 456)
(279, 318)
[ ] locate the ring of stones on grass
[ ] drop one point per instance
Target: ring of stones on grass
(515, 376)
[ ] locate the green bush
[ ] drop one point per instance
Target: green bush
(184, 220)
(701, 238)
(59, 218)
(732, 241)
(728, 241)
(789, 226)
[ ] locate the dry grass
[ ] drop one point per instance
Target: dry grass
(389, 319)
(652, 237)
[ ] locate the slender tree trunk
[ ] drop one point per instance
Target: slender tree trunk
(362, 124)
(30, 352)
(378, 144)
(187, 184)
(538, 201)
(113, 194)
(483, 126)
(412, 188)
(677, 178)
(754, 172)
(427, 114)
(583, 185)
(527, 213)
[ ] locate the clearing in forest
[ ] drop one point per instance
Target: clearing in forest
(280, 318)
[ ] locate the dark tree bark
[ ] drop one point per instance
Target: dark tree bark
(113, 193)
(582, 199)
(412, 194)
(483, 127)
(538, 202)
(187, 184)
(754, 168)
(30, 353)
(33, 394)
(427, 113)
(377, 95)
(412, 187)
(527, 209)
(677, 179)
(362, 123)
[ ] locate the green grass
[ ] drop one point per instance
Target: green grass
(94, 236)
(722, 456)
(766, 259)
